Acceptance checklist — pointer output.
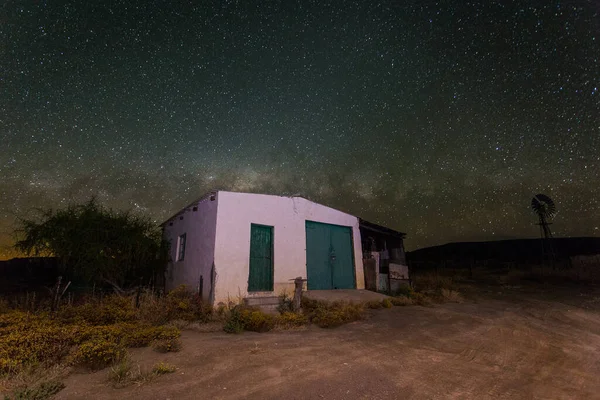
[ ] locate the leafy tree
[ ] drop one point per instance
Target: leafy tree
(96, 244)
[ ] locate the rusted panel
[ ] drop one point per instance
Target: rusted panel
(398, 271)
(370, 268)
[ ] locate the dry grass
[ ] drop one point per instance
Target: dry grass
(125, 372)
(163, 368)
(44, 391)
(168, 345)
(401, 301)
(432, 282)
(452, 296)
(121, 371)
(32, 377)
(578, 272)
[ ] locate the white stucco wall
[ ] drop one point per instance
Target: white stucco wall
(199, 227)
(287, 215)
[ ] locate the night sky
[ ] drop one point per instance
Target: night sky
(439, 119)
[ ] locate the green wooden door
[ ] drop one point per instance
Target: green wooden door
(342, 260)
(329, 258)
(260, 278)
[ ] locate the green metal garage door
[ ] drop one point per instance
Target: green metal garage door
(329, 257)
(261, 259)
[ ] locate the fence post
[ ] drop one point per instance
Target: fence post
(298, 282)
(56, 291)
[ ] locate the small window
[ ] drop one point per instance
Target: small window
(181, 247)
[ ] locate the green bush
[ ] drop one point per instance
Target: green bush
(401, 301)
(374, 304)
(377, 304)
(432, 281)
(257, 321)
(179, 304)
(97, 354)
(420, 299)
(167, 345)
(248, 318)
(234, 322)
(34, 339)
(286, 303)
(291, 319)
(162, 368)
(43, 391)
(404, 290)
(111, 310)
(330, 315)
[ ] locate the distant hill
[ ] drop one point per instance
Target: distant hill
(517, 250)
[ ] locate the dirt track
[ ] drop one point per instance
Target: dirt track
(510, 345)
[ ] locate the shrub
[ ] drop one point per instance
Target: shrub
(374, 304)
(32, 342)
(432, 281)
(404, 290)
(420, 299)
(256, 320)
(41, 392)
(97, 353)
(248, 318)
(401, 301)
(234, 322)
(167, 345)
(329, 315)
(451, 296)
(291, 319)
(377, 304)
(286, 303)
(162, 368)
(139, 335)
(111, 310)
(179, 304)
(28, 339)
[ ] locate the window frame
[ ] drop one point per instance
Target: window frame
(181, 244)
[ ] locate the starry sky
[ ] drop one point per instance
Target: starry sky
(440, 119)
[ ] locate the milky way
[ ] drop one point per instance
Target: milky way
(439, 119)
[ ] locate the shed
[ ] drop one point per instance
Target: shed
(229, 246)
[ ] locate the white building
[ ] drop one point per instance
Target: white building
(229, 245)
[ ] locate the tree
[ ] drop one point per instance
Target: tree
(96, 244)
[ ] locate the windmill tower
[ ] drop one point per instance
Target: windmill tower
(545, 209)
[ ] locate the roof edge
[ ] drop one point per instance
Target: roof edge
(199, 199)
(380, 228)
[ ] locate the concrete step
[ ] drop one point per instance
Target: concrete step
(262, 301)
(267, 304)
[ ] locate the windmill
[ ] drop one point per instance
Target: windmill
(545, 209)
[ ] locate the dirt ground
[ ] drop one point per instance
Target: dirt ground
(510, 342)
(349, 295)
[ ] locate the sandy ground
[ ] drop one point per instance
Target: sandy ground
(509, 343)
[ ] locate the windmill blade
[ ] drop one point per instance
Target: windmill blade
(543, 205)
